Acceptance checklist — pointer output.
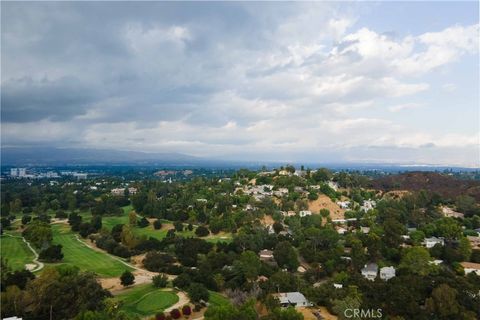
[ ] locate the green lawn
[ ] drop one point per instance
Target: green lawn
(16, 252)
(78, 254)
(217, 299)
(144, 300)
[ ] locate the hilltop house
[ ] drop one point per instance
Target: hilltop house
(432, 241)
(370, 271)
(293, 299)
(387, 273)
(343, 204)
(266, 256)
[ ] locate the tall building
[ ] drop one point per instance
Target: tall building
(14, 172)
(22, 172)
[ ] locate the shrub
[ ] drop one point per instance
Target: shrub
(143, 223)
(127, 278)
(175, 313)
(178, 226)
(186, 310)
(26, 219)
(198, 292)
(202, 231)
(157, 224)
(51, 254)
(160, 281)
(160, 316)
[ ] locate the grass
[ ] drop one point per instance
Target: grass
(217, 299)
(146, 300)
(78, 254)
(16, 252)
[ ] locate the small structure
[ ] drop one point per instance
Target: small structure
(305, 213)
(387, 273)
(370, 271)
(436, 262)
(293, 299)
(341, 230)
(337, 286)
(474, 242)
(118, 192)
(266, 256)
(365, 229)
(432, 241)
(469, 267)
(368, 205)
(343, 204)
(132, 190)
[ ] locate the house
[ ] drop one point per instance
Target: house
(477, 231)
(315, 187)
(341, 230)
(343, 204)
(337, 286)
(301, 269)
(436, 262)
(432, 241)
(387, 273)
(202, 200)
(132, 190)
(293, 299)
(365, 229)
(266, 255)
(368, 205)
(289, 213)
(474, 242)
(118, 191)
(370, 271)
(305, 213)
(449, 212)
(469, 267)
(333, 185)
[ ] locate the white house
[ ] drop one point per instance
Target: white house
(337, 286)
(365, 229)
(305, 213)
(368, 205)
(370, 271)
(294, 299)
(343, 204)
(469, 267)
(387, 273)
(266, 255)
(432, 241)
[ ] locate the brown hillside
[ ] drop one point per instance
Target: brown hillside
(447, 186)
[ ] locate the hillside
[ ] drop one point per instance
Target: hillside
(446, 186)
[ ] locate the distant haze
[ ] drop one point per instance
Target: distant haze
(336, 82)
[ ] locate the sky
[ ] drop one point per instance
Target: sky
(389, 82)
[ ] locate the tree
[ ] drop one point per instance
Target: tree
(26, 219)
(248, 264)
(186, 310)
(178, 226)
(286, 256)
(202, 231)
(16, 206)
(443, 303)
(160, 281)
(132, 218)
(143, 223)
(51, 254)
(157, 224)
(38, 233)
(197, 291)
(127, 278)
(448, 228)
(416, 261)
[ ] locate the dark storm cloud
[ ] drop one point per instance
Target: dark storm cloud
(26, 100)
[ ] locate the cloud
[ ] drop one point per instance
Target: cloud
(237, 80)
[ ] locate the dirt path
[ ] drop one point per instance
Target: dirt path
(182, 300)
(38, 265)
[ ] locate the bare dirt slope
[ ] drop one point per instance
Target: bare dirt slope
(324, 202)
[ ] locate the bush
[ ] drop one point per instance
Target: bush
(143, 223)
(160, 281)
(26, 219)
(186, 310)
(60, 214)
(198, 292)
(175, 313)
(157, 224)
(160, 316)
(202, 231)
(52, 253)
(178, 226)
(127, 278)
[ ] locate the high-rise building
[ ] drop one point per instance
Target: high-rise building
(14, 172)
(22, 172)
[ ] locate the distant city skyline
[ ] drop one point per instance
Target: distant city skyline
(388, 82)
